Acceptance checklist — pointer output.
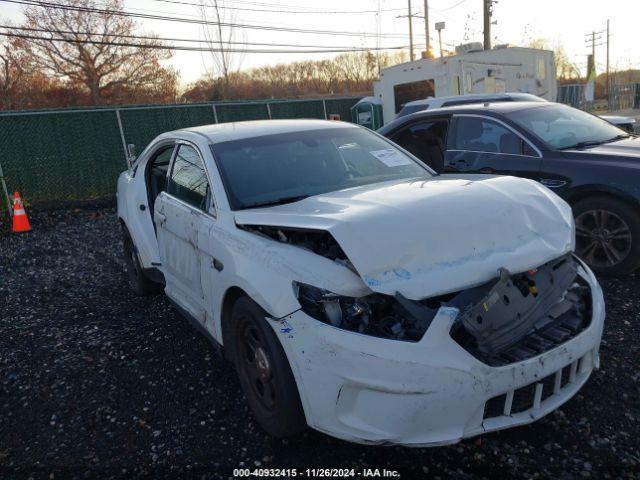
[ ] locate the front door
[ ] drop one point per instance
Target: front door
(183, 222)
(479, 144)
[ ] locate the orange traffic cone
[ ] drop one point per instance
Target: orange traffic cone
(20, 219)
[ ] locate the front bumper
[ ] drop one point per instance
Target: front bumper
(432, 392)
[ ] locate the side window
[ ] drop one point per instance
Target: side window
(482, 135)
(188, 180)
(425, 140)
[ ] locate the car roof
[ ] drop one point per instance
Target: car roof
(225, 132)
(480, 107)
(473, 96)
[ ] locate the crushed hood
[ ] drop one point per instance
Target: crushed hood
(436, 236)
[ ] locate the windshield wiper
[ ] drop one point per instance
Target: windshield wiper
(585, 144)
(593, 143)
(622, 136)
(277, 201)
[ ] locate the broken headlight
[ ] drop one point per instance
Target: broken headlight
(376, 314)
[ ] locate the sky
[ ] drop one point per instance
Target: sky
(518, 22)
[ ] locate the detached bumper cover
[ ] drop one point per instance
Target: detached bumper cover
(371, 390)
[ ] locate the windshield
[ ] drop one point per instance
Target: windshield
(275, 169)
(561, 127)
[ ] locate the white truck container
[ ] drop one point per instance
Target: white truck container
(471, 70)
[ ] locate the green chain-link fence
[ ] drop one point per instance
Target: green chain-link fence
(78, 154)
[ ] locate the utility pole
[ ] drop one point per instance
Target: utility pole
(590, 89)
(426, 26)
(410, 32)
(594, 42)
(608, 61)
(487, 23)
(410, 18)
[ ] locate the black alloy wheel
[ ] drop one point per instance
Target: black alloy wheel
(607, 235)
(603, 238)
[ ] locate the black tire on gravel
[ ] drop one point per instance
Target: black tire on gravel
(140, 283)
(607, 235)
(264, 371)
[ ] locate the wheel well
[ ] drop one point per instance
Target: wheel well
(573, 199)
(230, 297)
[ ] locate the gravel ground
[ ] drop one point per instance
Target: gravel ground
(96, 382)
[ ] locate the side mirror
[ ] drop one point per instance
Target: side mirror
(131, 151)
(131, 154)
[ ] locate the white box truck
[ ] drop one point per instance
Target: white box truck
(471, 70)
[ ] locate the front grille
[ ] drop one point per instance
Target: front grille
(532, 395)
(563, 329)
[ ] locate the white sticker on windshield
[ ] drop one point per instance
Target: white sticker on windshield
(391, 157)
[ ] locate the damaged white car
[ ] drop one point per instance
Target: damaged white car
(355, 290)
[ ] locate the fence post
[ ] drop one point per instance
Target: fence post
(269, 110)
(124, 141)
(324, 108)
(6, 193)
(215, 113)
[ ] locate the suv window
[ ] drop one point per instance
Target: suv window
(482, 135)
(426, 140)
(188, 180)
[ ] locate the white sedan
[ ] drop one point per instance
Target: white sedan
(355, 290)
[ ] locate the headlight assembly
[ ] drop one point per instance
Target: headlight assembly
(378, 315)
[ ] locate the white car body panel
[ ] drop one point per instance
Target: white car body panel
(420, 239)
(427, 238)
(370, 390)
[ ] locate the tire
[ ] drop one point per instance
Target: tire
(264, 372)
(140, 283)
(607, 235)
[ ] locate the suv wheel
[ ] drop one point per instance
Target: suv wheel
(607, 235)
(264, 371)
(140, 283)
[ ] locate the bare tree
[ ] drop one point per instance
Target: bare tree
(565, 68)
(12, 73)
(113, 63)
(221, 36)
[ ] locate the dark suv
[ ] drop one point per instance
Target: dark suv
(592, 164)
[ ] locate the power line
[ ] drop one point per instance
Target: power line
(124, 13)
(319, 12)
(449, 8)
(183, 48)
(187, 40)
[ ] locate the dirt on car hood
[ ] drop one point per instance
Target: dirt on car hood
(425, 238)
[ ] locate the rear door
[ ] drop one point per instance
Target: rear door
(183, 220)
(481, 144)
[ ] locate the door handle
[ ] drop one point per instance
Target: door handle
(487, 170)
(161, 217)
(552, 183)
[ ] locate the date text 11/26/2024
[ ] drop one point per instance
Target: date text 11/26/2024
(315, 473)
